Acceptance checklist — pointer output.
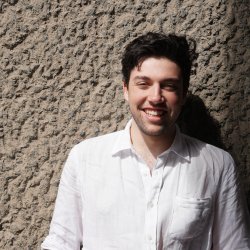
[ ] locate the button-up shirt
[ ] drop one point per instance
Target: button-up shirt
(109, 200)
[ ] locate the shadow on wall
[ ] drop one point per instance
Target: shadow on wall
(238, 67)
(196, 121)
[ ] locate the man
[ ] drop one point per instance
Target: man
(149, 186)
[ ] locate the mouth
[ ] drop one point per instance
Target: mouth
(154, 112)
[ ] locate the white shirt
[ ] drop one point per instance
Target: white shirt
(107, 199)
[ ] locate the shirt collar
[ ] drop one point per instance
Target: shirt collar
(179, 146)
(123, 141)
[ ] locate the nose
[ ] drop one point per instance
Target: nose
(155, 96)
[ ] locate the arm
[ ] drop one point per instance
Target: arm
(66, 225)
(231, 222)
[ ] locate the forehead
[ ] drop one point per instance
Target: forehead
(156, 68)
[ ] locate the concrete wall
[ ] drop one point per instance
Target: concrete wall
(61, 83)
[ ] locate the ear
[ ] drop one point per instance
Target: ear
(125, 90)
(184, 100)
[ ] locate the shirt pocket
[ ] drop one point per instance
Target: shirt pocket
(189, 217)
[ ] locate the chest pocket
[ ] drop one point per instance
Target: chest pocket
(189, 217)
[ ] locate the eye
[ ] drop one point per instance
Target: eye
(170, 86)
(142, 84)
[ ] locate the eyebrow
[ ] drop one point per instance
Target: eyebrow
(164, 80)
(142, 78)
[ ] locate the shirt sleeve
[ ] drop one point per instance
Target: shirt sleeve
(66, 225)
(231, 221)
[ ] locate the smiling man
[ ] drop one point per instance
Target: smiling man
(150, 187)
(155, 96)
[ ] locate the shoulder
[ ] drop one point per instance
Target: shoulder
(207, 152)
(92, 154)
(99, 144)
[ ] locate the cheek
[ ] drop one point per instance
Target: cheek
(174, 99)
(136, 98)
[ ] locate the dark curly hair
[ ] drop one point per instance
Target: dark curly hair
(173, 47)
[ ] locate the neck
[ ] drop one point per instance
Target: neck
(149, 147)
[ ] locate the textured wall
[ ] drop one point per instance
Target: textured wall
(61, 83)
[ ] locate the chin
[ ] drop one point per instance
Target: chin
(153, 132)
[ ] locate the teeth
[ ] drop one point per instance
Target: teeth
(154, 112)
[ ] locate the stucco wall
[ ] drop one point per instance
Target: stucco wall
(61, 83)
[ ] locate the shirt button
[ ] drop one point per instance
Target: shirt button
(150, 204)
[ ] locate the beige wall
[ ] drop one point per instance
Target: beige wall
(61, 83)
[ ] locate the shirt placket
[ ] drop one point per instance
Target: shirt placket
(152, 185)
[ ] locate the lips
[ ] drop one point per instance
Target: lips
(154, 112)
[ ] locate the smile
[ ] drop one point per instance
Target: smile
(151, 112)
